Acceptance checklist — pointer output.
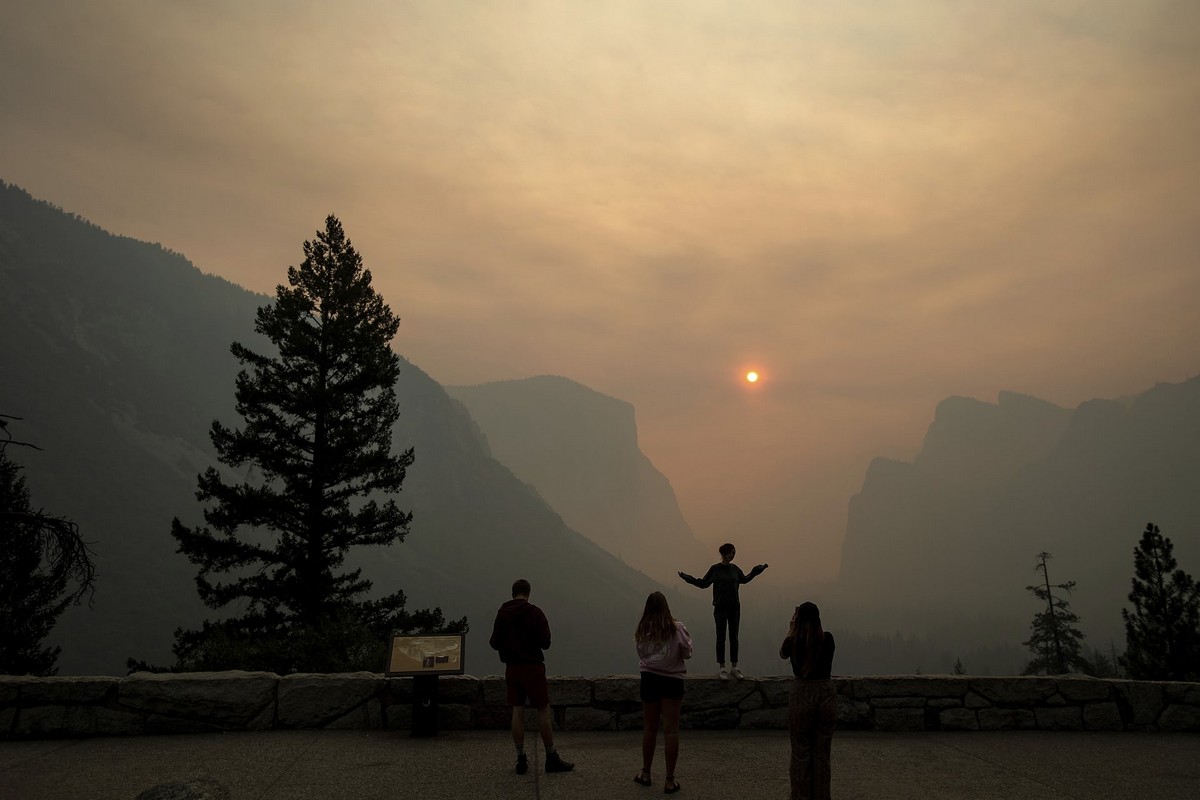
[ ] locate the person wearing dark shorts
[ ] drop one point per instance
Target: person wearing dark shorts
(663, 643)
(519, 635)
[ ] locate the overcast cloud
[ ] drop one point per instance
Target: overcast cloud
(877, 204)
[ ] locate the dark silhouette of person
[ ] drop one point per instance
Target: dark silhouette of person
(520, 634)
(725, 578)
(812, 703)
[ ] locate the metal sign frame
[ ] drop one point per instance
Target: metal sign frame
(426, 654)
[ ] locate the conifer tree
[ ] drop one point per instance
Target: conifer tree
(1162, 632)
(41, 556)
(315, 455)
(1055, 642)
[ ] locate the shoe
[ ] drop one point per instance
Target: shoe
(643, 778)
(554, 763)
(522, 764)
(671, 786)
(736, 674)
(723, 674)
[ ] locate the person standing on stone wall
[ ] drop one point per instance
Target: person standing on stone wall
(812, 703)
(520, 634)
(725, 577)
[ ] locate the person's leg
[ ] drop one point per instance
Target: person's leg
(554, 762)
(515, 694)
(546, 728)
(800, 725)
(539, 694)
(734, 616)
(670, 723)
(518, 736)
(518, 727)
(651, 714)
(720, 620)
(823, 745)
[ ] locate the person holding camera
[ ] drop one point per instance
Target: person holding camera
(812, 702)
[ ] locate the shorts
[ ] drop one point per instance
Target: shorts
(526, 685)
(657, 687)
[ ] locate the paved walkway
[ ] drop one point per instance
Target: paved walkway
(477, 765)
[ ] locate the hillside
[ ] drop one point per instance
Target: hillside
(117, 357)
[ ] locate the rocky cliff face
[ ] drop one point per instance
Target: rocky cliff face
(954, 533)
(578, 448)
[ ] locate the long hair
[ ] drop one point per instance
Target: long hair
(808, 636)
(657, 624)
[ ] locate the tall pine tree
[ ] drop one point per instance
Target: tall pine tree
(1054, 640)
(318, 417)
(1162, 633)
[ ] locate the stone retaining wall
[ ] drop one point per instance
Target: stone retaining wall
(145, 703)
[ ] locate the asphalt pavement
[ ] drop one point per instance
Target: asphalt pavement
(478, 765)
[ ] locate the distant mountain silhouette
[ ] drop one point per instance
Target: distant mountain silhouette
(579, 449)
(952, 536)
(116, 353)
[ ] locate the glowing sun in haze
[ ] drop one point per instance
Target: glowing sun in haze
(751, 377)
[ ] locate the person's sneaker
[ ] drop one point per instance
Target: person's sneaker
(723, 674)
(736, 674)
(554, 763)
(522, 764)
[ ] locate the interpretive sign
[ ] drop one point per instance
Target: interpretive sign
(433, 654)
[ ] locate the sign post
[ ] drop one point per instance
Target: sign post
(424, 658)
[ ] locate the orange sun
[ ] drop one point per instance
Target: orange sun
(752, 377)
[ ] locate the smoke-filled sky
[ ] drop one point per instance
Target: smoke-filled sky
(876, 204)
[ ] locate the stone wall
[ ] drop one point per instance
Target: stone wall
(145, 703)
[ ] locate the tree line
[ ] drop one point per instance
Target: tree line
(1162, 626)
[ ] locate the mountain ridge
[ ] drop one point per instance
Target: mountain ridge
(954, 532)
(119, 353)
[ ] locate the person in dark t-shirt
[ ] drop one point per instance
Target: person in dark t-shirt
(520, 634)
(725, 578)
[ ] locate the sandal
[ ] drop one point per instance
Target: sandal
(643, 778)
(671, 786)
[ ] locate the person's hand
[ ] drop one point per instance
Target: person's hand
(682, 575)
(764, 566)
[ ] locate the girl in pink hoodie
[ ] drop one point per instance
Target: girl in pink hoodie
(662, 645)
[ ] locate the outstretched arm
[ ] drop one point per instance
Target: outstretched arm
(754, 573)
(702, 583)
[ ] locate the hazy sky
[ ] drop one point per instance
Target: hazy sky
(875, 204)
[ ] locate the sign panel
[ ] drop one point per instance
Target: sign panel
(432, 654)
